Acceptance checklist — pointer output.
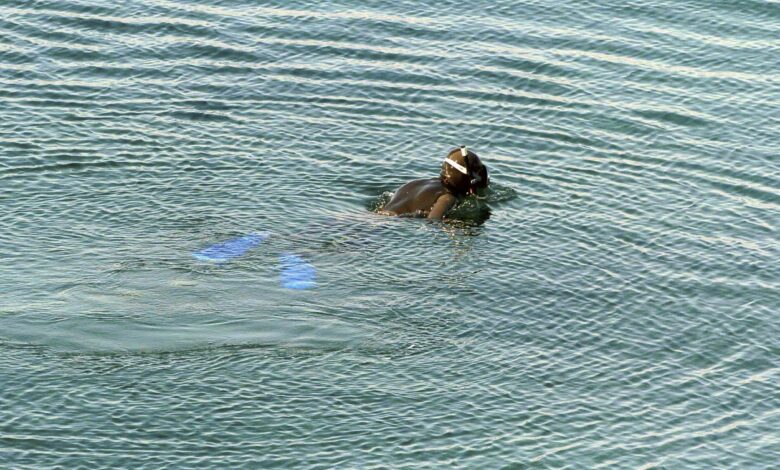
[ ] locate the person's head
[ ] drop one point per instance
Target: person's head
(462, 172)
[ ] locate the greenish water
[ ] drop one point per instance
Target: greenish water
(617, 309)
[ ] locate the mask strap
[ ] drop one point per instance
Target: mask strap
(465, 151)
(457, 166)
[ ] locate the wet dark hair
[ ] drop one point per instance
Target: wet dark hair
(458, 182)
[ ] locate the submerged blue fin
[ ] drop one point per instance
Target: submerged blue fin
(296, 273)
(229, 249)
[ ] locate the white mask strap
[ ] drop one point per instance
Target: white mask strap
(457, 166)
(463, 150)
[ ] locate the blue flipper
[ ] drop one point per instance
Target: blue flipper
(296, 273)
(225, 251)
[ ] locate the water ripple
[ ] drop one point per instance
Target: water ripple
(610, 303)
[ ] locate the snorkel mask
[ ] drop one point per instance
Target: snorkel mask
(474, 174)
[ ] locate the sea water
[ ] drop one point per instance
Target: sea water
(612, 303)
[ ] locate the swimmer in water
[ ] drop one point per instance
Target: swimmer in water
(462, 173)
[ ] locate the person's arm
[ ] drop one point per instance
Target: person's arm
(441, 206)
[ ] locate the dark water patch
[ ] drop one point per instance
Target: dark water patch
(199, 116)
(352, 50)
(211, 105)
(9, 23)
(17, 57)
(76, 6)
(152, 26)
(6, 143)
(21, 86)
(535, 82)
(672, 117)
(565, 138)
(344, 18)
(115, 70)
(83, 155)
(222, 52)
(519, 99)
(127, 141)
(615, 130)
(381, 112)
(399, 78)
(51, 93)
(43, 103)
(80, 117)
(537, 67)
(85, 168)
(224, 68)
(768, 195)
(58, 36)
(78, 53)
(373, 105)
(752, 16)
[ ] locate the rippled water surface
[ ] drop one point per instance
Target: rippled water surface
(613, 303)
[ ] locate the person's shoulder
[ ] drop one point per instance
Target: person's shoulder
(418, 188)
(431, 184)
(423, 183)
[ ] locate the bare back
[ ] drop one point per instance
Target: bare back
(426, 197)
